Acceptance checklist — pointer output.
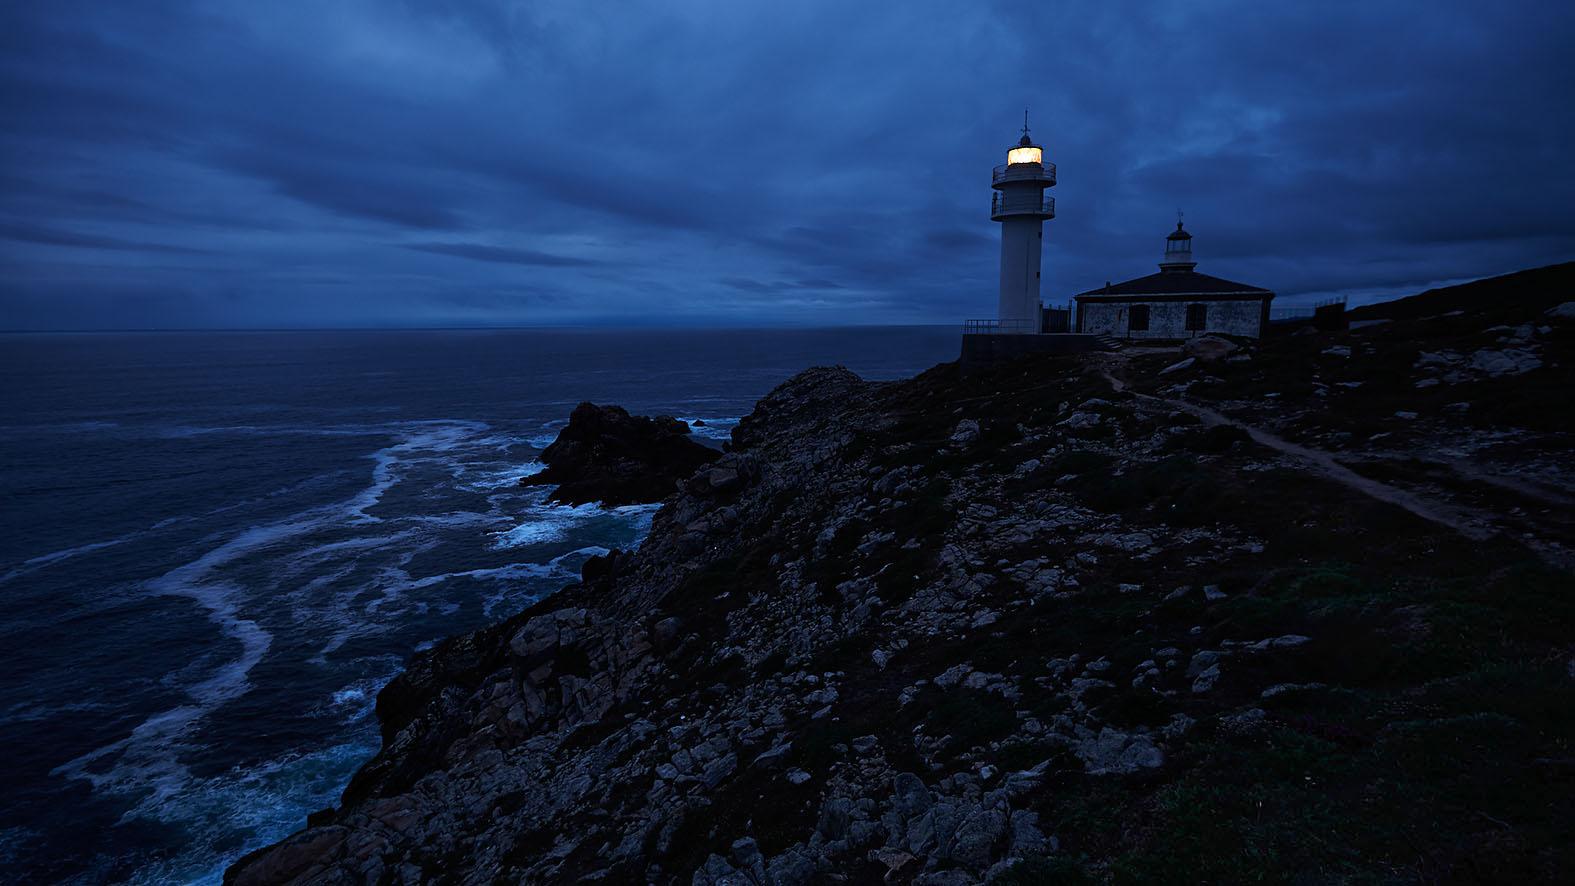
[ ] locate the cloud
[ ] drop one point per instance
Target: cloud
(49, 237)
(499, 254)
(763, 163)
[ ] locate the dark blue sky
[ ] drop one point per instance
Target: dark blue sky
(417, 162)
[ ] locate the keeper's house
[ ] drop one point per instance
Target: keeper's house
(1176, 303)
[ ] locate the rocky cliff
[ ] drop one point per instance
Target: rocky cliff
(1298, 611)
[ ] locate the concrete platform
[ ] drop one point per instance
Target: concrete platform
(981, 351)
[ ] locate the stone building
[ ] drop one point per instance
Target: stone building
(1175, 303)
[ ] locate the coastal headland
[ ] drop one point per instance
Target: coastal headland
(1290, 609)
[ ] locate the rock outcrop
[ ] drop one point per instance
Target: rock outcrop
(1019, 626)
(607, 455)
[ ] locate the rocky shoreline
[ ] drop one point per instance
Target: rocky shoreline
(1037, 624)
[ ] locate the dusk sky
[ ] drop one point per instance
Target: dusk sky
(234, 163)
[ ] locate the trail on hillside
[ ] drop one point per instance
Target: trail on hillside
(1474, 527)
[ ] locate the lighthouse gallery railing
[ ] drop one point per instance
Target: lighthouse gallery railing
(1000, 207)
(1023, 172)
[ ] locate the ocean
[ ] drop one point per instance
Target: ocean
(215, 548)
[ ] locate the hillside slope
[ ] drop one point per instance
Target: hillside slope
(1301, 612)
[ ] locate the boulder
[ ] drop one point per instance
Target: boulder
(1510, 361)
(1113, 752)
(977, 836)
(1209, 348)
(1565, 311)
(607, 455)
(967, 432)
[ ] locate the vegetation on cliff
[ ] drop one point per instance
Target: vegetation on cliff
(1298, 612)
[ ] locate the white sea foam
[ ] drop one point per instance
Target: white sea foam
(358, 557)
(546, 524)
(638, 516)
(146, 760)
(50, 559)
(549, 433)
(266, 802)
(545, 576)
(432, 437)
(502, 478)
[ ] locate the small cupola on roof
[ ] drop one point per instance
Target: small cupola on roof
(1178, 252)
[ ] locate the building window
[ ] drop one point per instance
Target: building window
(1137, 320)
(1197, 317)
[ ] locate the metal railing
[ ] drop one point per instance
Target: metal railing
(999, 327)
(1023, 172)
(1290, 313)
(1000, 208)
(1306, 312)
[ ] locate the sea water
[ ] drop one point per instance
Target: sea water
(215, 548)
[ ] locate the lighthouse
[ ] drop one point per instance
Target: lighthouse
(1020, 205)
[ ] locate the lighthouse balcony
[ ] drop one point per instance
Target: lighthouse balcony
(1012, 207)
(1024, 172)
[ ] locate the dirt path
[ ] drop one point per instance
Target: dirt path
(1473, 527)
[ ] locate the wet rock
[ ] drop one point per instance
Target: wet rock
(605, 454)
(297, 858)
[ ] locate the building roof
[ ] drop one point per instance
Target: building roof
(1176, 283)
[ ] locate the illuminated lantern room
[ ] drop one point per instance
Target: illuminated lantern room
(1025, 152)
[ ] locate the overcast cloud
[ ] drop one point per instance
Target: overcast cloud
(416, 162)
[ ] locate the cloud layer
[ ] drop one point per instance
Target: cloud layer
(366, 163)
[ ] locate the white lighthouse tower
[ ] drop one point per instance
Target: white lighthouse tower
(1020, 205)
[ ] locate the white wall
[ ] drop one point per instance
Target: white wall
(1020, 255)
(1168, 319)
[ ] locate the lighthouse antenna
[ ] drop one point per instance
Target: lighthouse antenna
(1025, 122)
